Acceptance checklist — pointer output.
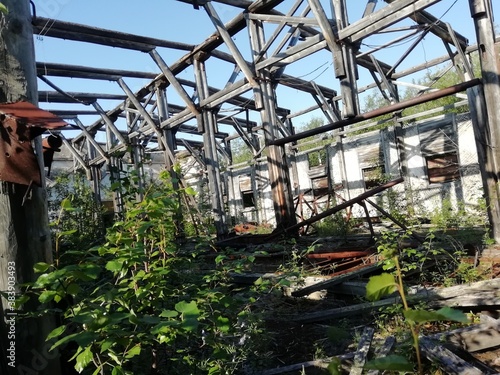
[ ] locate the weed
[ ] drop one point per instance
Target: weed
(334, 225)
(388, 283)
(139, 298)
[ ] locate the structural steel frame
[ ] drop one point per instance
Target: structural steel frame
(298, 29)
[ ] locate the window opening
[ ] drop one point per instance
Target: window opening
(442, 168)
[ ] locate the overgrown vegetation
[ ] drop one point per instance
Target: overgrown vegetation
(138, 301)
(81, 226)
(401, 262)
(139, 298)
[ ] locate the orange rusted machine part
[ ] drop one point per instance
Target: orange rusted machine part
(20, 123)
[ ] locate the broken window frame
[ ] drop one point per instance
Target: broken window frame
(378, 176)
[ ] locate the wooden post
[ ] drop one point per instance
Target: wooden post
(276, 159)
(169, 155)
(24, 230)
(210, 150)
(489, 133)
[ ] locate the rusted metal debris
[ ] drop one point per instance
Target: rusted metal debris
(20, 123)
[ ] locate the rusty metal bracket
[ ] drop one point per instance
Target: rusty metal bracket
(20, 123)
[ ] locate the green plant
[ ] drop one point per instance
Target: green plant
(334, 225)
(139, 298)
(293, 265)
(387, 283)
(77, 216)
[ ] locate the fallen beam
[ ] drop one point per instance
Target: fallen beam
(484, 294)
(474, 338)
(446, 359)
(341, 206)
(335, 280)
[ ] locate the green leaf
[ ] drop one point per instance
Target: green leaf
(21, 301)
(390, 363)
(148, 319)
(163, 327)
(47, 296)
(91, 271)
(190, 191)
(114, 265)
(106, 344)
(223, 324)
(83, 359)
(380, 286)
(73, 289)
(67, 232)
(190, 313)
(41, 267)
(81, 338)
(190, 324)
(334, 366)
(66, 204)
(56, 332)
(136, 350)
(168, 314)
(3, 9)
(117, 370)
(219, 259)
(115, 318)
(444, 314)
(116, 186)
(187, 308)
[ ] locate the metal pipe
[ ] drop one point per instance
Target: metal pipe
(341, 206)
(379, 112)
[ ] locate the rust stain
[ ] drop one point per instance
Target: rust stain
(20, 123)
(32, 115)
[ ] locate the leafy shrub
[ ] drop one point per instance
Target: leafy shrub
(82, 219)
(141, 304)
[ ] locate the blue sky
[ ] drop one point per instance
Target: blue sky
(176, 21)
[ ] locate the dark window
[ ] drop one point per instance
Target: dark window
(373, 176)
(248, 200)
(442, 168)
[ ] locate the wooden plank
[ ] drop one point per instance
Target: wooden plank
(362, 351)
(437, 28)
(455, 296)
(173, 81)
(79, 32)
(228, 40)
(447, 360)
(473, 338)
(343, 312)
(383, 351)
(321, 363)
(381, 111)
(336, 280)
(383, 18)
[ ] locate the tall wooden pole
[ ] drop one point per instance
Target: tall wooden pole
(24, 231)
(209, 125)
(276, 159)
(487, 129)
